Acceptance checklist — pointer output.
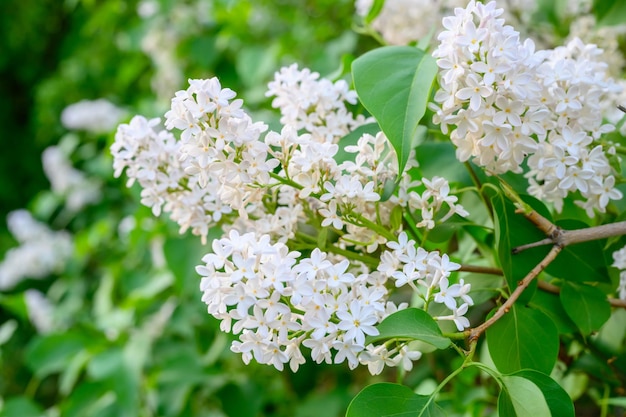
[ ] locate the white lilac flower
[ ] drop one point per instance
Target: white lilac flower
(96, 116)
(409, 265)
(212, 171)
(319, 304)
(316, 105)
(41, 251)
(505, 103)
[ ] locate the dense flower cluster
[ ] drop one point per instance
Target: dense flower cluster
(316, 105)
(279, 301)
(214, 169)
(41, 251)
(506, 102)
(271, 193)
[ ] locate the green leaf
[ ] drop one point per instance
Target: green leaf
(505, 404)
(410, 324)
(22, 407)
(105, 363)
(439, 158)
(374, 11)
(387, 400)
(73, 371)
(183, 255)
(609, 12)
(394, 84)
(512, 230)
(551, 305)
(54, 352)
(88, 399)
(523, 338)
(524, 397)
(16, 304)
(559, 402)
(587, 306)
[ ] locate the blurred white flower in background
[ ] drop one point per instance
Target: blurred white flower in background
(40, 310)
(619, 262)
(403, 21)
(95, 116)
(68, 182)
(41, 252)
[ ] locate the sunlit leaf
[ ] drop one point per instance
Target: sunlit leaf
(525, 398)
(558, 400)
(523, 338)
(392, 400)
(398, 98)
(410, 324)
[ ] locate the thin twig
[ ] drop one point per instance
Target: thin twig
(480, 269)
(475, 333)
(521, 248)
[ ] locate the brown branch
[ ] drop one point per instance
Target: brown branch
(480, 269)
(569, 237)
(561, 237)
(543, 224)
(475, 333)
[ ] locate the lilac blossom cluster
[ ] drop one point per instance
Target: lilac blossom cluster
(507, 105)
(316, 105)
(274, 193)
(279, 301)
(216, 167)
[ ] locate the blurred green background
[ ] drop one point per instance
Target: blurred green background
(130, 335)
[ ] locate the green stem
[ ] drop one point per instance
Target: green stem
(455, 336)
(367, 260)
(286, 181)
(306, 237)
(31, 388)
(415, 233)
(479, 186)
(364, 222)
(493, 373)
(445, 382)
(604, 405)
